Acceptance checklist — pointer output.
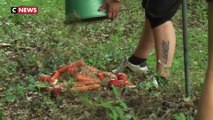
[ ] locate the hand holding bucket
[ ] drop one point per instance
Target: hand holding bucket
(86, 9)
(112, 7)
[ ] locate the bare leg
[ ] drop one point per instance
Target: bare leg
(165, 41)
(206, 104)
(146, 43)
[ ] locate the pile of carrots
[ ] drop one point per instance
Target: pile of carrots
(86, 78)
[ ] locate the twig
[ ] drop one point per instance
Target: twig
(5, 44)
(166, 114)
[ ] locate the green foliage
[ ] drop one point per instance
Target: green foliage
(116, 111)
(17, 91)
(7, 69)
(179, 116)
(1, 115)
(121, 103)
(14, 92)
(10, 97)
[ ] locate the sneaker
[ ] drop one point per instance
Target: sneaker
(141, 69)
(154, 81)
(135, 68)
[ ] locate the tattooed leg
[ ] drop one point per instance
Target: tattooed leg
(165, 49)
(165, 41)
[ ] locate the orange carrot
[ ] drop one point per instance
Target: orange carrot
(116, 83)
(83, 78)
(62, 69)
(122, 76)
(78, 84)
(88, 82)
(54, 77)
(56, 91)
(86, 88)
(57, 74)
(44, 78)
(93, 69)
(101, 76)
(77, 63)
(52, 81)
(71, 71)
(72, 67)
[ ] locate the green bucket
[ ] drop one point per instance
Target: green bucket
(83, 9)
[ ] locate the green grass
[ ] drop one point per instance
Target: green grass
(40, 43)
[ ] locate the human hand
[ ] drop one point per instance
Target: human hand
(112, 7)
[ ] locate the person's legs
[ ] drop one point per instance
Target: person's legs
(165, 42)
(158, 30)
(164, 39)
(159, 14)
(137, 62)
(206, 103)
(146, 43)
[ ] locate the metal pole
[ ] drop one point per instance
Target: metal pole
(185, 48)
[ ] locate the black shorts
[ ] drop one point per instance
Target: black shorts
(160, 11)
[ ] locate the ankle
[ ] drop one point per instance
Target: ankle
(137, 60)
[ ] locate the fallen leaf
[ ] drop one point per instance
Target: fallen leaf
(2, 88)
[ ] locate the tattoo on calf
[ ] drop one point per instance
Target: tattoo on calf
(165, 48)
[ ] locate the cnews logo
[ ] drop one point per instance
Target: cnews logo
(24, 10)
